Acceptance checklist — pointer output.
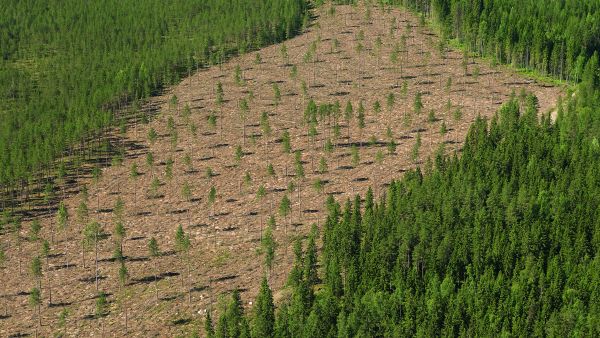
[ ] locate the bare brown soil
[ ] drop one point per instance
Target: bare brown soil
(224, 252)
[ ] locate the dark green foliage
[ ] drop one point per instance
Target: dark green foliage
(101, 305)
(182, 240)
(34, 230)
(286, 142)
(418, 104)
(65, 66)
(552, 37)
(269, 245)
(35, 297)
(232, 322)
(298, 164)
(264, 312)
(285, 206)
(153, 249)
(502, 241)
(208, 326)
(310, 259)
(36, 267)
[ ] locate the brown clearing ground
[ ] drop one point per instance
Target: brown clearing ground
(224, 246)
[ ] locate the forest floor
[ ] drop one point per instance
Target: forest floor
(225, 238)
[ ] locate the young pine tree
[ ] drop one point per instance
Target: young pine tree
(154, 252)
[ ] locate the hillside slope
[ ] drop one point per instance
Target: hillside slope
(225, 236)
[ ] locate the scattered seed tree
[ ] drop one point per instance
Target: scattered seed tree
(418, 103)
(286, 142)
(152, 135)
(348, 113)
(443, 129)
(360, 117)
(219, 100)
(391, 146)
(187, 160)
(285, 206)
(35, 300)
(378, 45)
(186, 192)
(244, 109)
(119, 209)
(150, 160)
(457, 114)
(416, 148)
(154, 252)
(123, 277)
(298, 164)
(62, 320)
(247, 179)
(182, 247)
(276, 95)
(34, 230)
(62, 218)
(153, 191)
(169, 168)
(379, 157)
(291, 187)
(377, 107)
(238, 154)
(319, 185)
(431, 117)
(268, 245)
(36, 270)
(270, 170)
(119, 234)
(322, 165)
(91, 237)
(212, 197)
(237, 75)
(209, 173)
(45, 252)
(101, 305)
(261, 192)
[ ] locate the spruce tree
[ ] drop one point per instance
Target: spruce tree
(264, 312)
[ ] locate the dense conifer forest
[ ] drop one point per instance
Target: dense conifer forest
(554, 37)
(67, 67)
(502, 241)
(499, 238)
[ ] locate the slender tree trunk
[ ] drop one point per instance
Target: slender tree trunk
(156, 280)
(126, 330)
(189, 279)
(96, 259)
(49, 289)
